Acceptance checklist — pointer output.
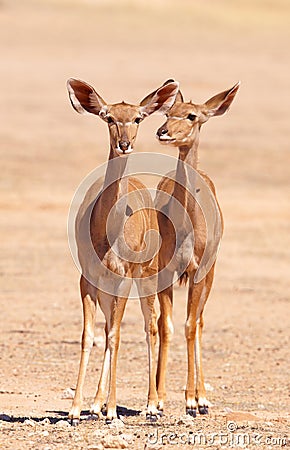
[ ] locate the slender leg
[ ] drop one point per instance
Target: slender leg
(148, 310)
(97, 406)
(106, 302)
(194, 294)
(165, 330)
(200, 392)
(89, 309)
(113, 345)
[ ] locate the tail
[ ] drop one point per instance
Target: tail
(183, 279)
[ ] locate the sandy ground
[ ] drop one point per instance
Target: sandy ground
(127, 49)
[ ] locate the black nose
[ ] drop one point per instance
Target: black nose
(124, 145)
(162, 131)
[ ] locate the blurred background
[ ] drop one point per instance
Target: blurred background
(126, 49)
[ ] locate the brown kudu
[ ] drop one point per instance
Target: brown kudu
(106, 275)
(182, 129)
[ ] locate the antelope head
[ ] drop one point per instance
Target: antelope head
(123, 119)
(184, 119)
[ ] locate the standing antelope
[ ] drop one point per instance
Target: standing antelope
(182, 130)
(106, 276)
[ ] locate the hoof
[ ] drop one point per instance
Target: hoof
(191, 412)
(93, 417)
(104, 408)
(108, 421)
(74, 422)
(160, 413)
(151, 417)
(203, 410)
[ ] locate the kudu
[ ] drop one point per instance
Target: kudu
(182, 129)
(107, 273)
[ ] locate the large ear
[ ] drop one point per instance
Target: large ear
(84, 98)
(160, 100)
(179, 96)
(220, 103)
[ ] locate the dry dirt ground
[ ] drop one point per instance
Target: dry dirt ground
(126, 49)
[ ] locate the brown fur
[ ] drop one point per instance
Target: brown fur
(93, 245)
(182, 130)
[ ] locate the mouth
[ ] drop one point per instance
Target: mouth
(165, 139)
(126, 151)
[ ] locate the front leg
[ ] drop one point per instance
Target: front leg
(113, 345)
(165, 331)
(98, 405)
(194, 297)
(200, 392)
(89, 307)
(149, 313)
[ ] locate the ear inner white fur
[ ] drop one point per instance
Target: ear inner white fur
(74, 101)
(220, 103)
(162, 100)
(84, 98)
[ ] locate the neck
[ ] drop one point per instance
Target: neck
(114, 184)
(187, 156)
(105, 217)
(115, 168)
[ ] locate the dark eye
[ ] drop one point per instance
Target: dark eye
(109, 119)
(191, 117)
(138, 120)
